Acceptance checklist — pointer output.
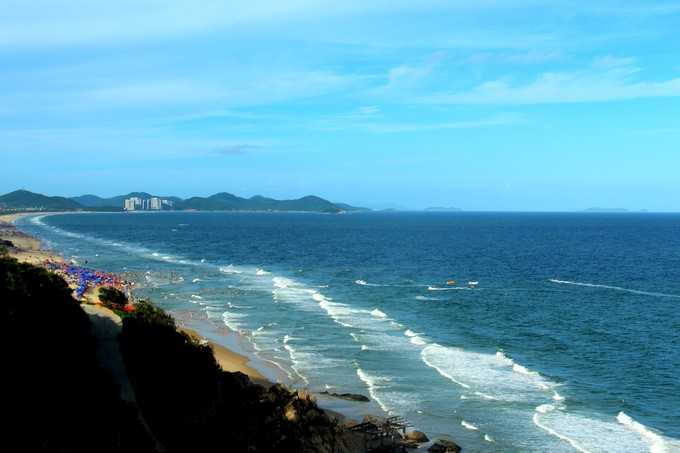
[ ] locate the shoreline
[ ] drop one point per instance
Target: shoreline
(228, 359)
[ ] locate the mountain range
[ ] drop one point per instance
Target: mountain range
(25, 200)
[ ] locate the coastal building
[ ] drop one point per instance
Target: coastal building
(133, 204)
(151, 204)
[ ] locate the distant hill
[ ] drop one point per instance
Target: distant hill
(25, 200)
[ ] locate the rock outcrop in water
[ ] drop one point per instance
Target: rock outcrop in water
(348, 396)
(444, 446)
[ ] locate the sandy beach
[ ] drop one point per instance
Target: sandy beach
(27, 248)
(30, 250)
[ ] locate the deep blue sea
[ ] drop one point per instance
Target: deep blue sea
(526, 332)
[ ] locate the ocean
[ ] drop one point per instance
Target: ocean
(505, 332)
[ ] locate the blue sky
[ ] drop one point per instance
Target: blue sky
(491, 105)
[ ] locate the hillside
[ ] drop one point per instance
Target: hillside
(23, 199)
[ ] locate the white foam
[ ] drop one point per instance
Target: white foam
(558, 397)
(545, 408)
(229, 270)
(339, 313)
(373, 382)
(494, 375)
(469, 426)
(282, 282)
(522, 369)
(589, 433)
(658, 442)
(615, 288)
(234, 320)
(364, 283)
(485, 396)
(448, 288)
(318, 297)
(378, 314)
(297, 358)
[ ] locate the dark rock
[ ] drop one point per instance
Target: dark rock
(417, 436)
(444, 446)
(348, 396)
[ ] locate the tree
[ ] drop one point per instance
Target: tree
(112, 297)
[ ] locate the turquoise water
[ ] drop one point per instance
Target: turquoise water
(568, 338)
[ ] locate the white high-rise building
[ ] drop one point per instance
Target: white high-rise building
(132, 204)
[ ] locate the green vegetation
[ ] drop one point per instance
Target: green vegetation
(23, 199)
(112, 297)
(5, 245)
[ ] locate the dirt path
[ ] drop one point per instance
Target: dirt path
(106, 326)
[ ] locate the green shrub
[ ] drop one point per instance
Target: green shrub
(112, 297)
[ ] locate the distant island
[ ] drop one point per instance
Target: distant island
(23, 200)
(596, 209)
(443, 209)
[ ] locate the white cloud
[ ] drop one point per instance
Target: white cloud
(35, 22)
(353, 124)
(611, 61)
(561, 87)
(50, 23)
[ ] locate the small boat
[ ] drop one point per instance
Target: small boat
(473, 283)
(451, 282)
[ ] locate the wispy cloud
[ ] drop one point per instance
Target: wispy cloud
(237, 149)
(653, 132)
(516, 57)
(384, 127)
(497, 120)
(561, 88)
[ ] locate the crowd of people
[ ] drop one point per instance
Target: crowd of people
(85, 277)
